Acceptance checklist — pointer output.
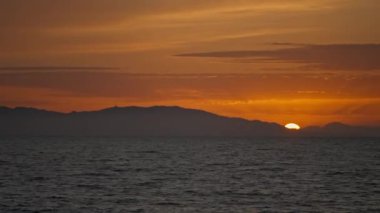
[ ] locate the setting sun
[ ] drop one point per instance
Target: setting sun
(292, 126)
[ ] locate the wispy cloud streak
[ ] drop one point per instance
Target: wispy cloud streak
(332, 56)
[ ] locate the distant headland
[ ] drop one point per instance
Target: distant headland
(157, 121)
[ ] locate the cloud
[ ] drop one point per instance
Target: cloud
(54, 68)
(156, 86)
(332, 56)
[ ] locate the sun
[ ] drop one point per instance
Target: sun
(292, 126)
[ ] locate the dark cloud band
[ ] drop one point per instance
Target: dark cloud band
(333, 56)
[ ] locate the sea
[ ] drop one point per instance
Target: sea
(109, 174)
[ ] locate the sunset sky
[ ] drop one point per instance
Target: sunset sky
(305, 61)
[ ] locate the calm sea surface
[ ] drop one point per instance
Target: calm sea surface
(68, 174)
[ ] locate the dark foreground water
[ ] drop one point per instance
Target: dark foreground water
(189, 175)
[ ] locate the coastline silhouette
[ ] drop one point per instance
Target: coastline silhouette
(156, 121)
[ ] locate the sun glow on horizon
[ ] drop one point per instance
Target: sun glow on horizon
(292, 126)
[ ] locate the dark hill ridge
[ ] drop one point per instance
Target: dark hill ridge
(337, 129)
(131, 121)
(153, 121)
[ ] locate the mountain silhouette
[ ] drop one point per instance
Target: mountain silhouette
(336, 129)
(130, 121)
(153, 121)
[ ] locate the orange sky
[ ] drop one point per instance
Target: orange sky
(305, 61)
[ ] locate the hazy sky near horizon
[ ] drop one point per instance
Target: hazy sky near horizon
(303, 61)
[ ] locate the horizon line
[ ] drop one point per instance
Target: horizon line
(175, 106)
